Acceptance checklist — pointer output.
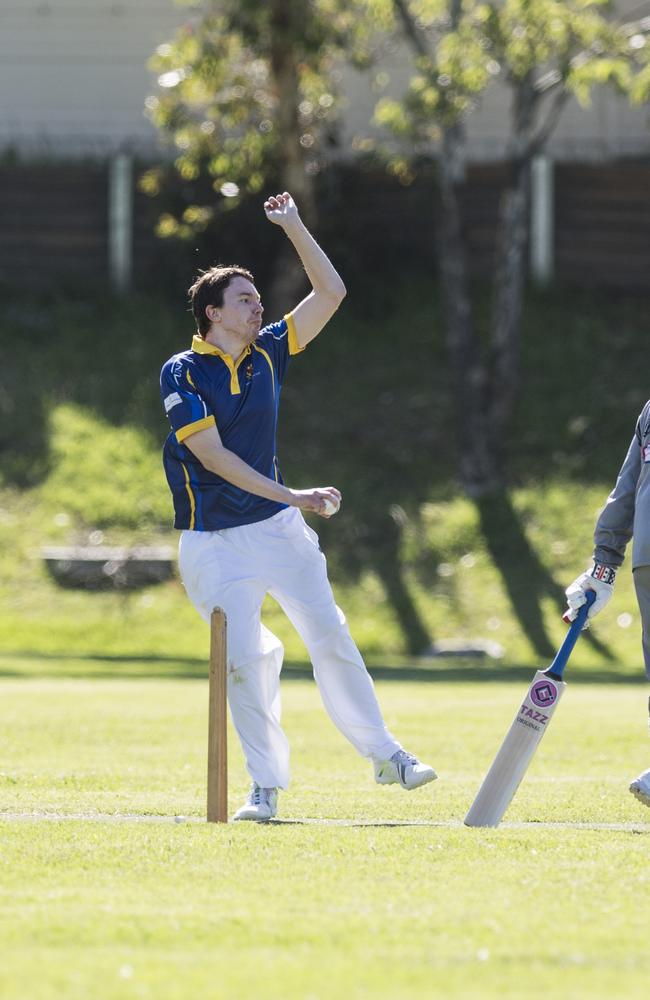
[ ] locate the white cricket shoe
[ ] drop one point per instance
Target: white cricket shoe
(404, 769)
(260, 806)
(640, 788)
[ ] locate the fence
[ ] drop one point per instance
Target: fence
(88, 223)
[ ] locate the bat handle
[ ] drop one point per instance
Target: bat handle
(556, 668)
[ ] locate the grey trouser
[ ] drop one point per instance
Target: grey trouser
(641, 576)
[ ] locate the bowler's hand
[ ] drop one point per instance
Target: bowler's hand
(281, 209)
(314, 499)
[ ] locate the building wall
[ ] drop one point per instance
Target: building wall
(73, 80)
(73, 76)
(609, 128)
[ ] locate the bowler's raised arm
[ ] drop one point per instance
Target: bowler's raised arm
(328, 290)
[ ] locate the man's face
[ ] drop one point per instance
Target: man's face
(241, 312)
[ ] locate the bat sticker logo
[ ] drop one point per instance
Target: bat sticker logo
(529, 713)
(543, 694)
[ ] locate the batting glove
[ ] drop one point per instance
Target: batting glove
(599, 579)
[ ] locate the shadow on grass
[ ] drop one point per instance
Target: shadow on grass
(526, 579)
(639, 829)
(364, 823)
(43, 666)
(386, 560)
(386, 439)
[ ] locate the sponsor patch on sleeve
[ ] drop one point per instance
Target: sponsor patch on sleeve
(171, 401)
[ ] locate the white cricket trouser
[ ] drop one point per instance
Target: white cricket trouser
(233, 569)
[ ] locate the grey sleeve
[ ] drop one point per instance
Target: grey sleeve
(615, 525)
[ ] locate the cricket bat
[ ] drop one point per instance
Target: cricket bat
(525, 734)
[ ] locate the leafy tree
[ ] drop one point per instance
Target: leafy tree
(248, 96)
(544, 51)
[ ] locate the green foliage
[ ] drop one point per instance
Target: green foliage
(571, 45)
(103, 476)
(640, 85)
(218, 99)
(575, 45)
(214, 102)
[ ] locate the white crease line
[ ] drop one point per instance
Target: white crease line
(310, 821)
(97, 818)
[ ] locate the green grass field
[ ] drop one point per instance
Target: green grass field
(359, 891)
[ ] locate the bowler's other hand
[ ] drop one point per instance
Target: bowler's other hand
(576, 593)
(314, 499)
(281, 209)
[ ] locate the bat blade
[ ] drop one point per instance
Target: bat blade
(522, 739)
(516, 752)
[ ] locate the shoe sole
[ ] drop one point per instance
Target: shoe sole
(639, 794)
(251, 819)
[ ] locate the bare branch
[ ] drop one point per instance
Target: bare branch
(549, 81)
(554, 78)
(545, 130)
(641, 27)
(413, 33)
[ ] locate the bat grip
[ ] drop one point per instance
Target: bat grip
(556, 668)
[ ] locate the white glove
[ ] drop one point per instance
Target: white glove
(599, 579)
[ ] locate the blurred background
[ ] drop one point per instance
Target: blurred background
(479, 174)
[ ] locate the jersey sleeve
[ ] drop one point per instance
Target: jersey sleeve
(615, 524)
(281, 343)
(186, 409)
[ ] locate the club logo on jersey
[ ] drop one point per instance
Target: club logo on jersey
(249, 370)
(171, 401)
(177, 371)
(543, 694)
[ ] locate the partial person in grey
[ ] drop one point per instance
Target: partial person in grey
(626, 516)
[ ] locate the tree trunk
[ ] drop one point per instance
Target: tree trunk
(510, 273)
(286, 21)
(470, 377)
(485, 382)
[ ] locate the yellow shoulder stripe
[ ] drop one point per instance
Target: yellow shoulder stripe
(198, 425)
(294, 346)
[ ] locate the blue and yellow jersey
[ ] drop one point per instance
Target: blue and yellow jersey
(203, 387)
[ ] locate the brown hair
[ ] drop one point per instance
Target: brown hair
(208, 289)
